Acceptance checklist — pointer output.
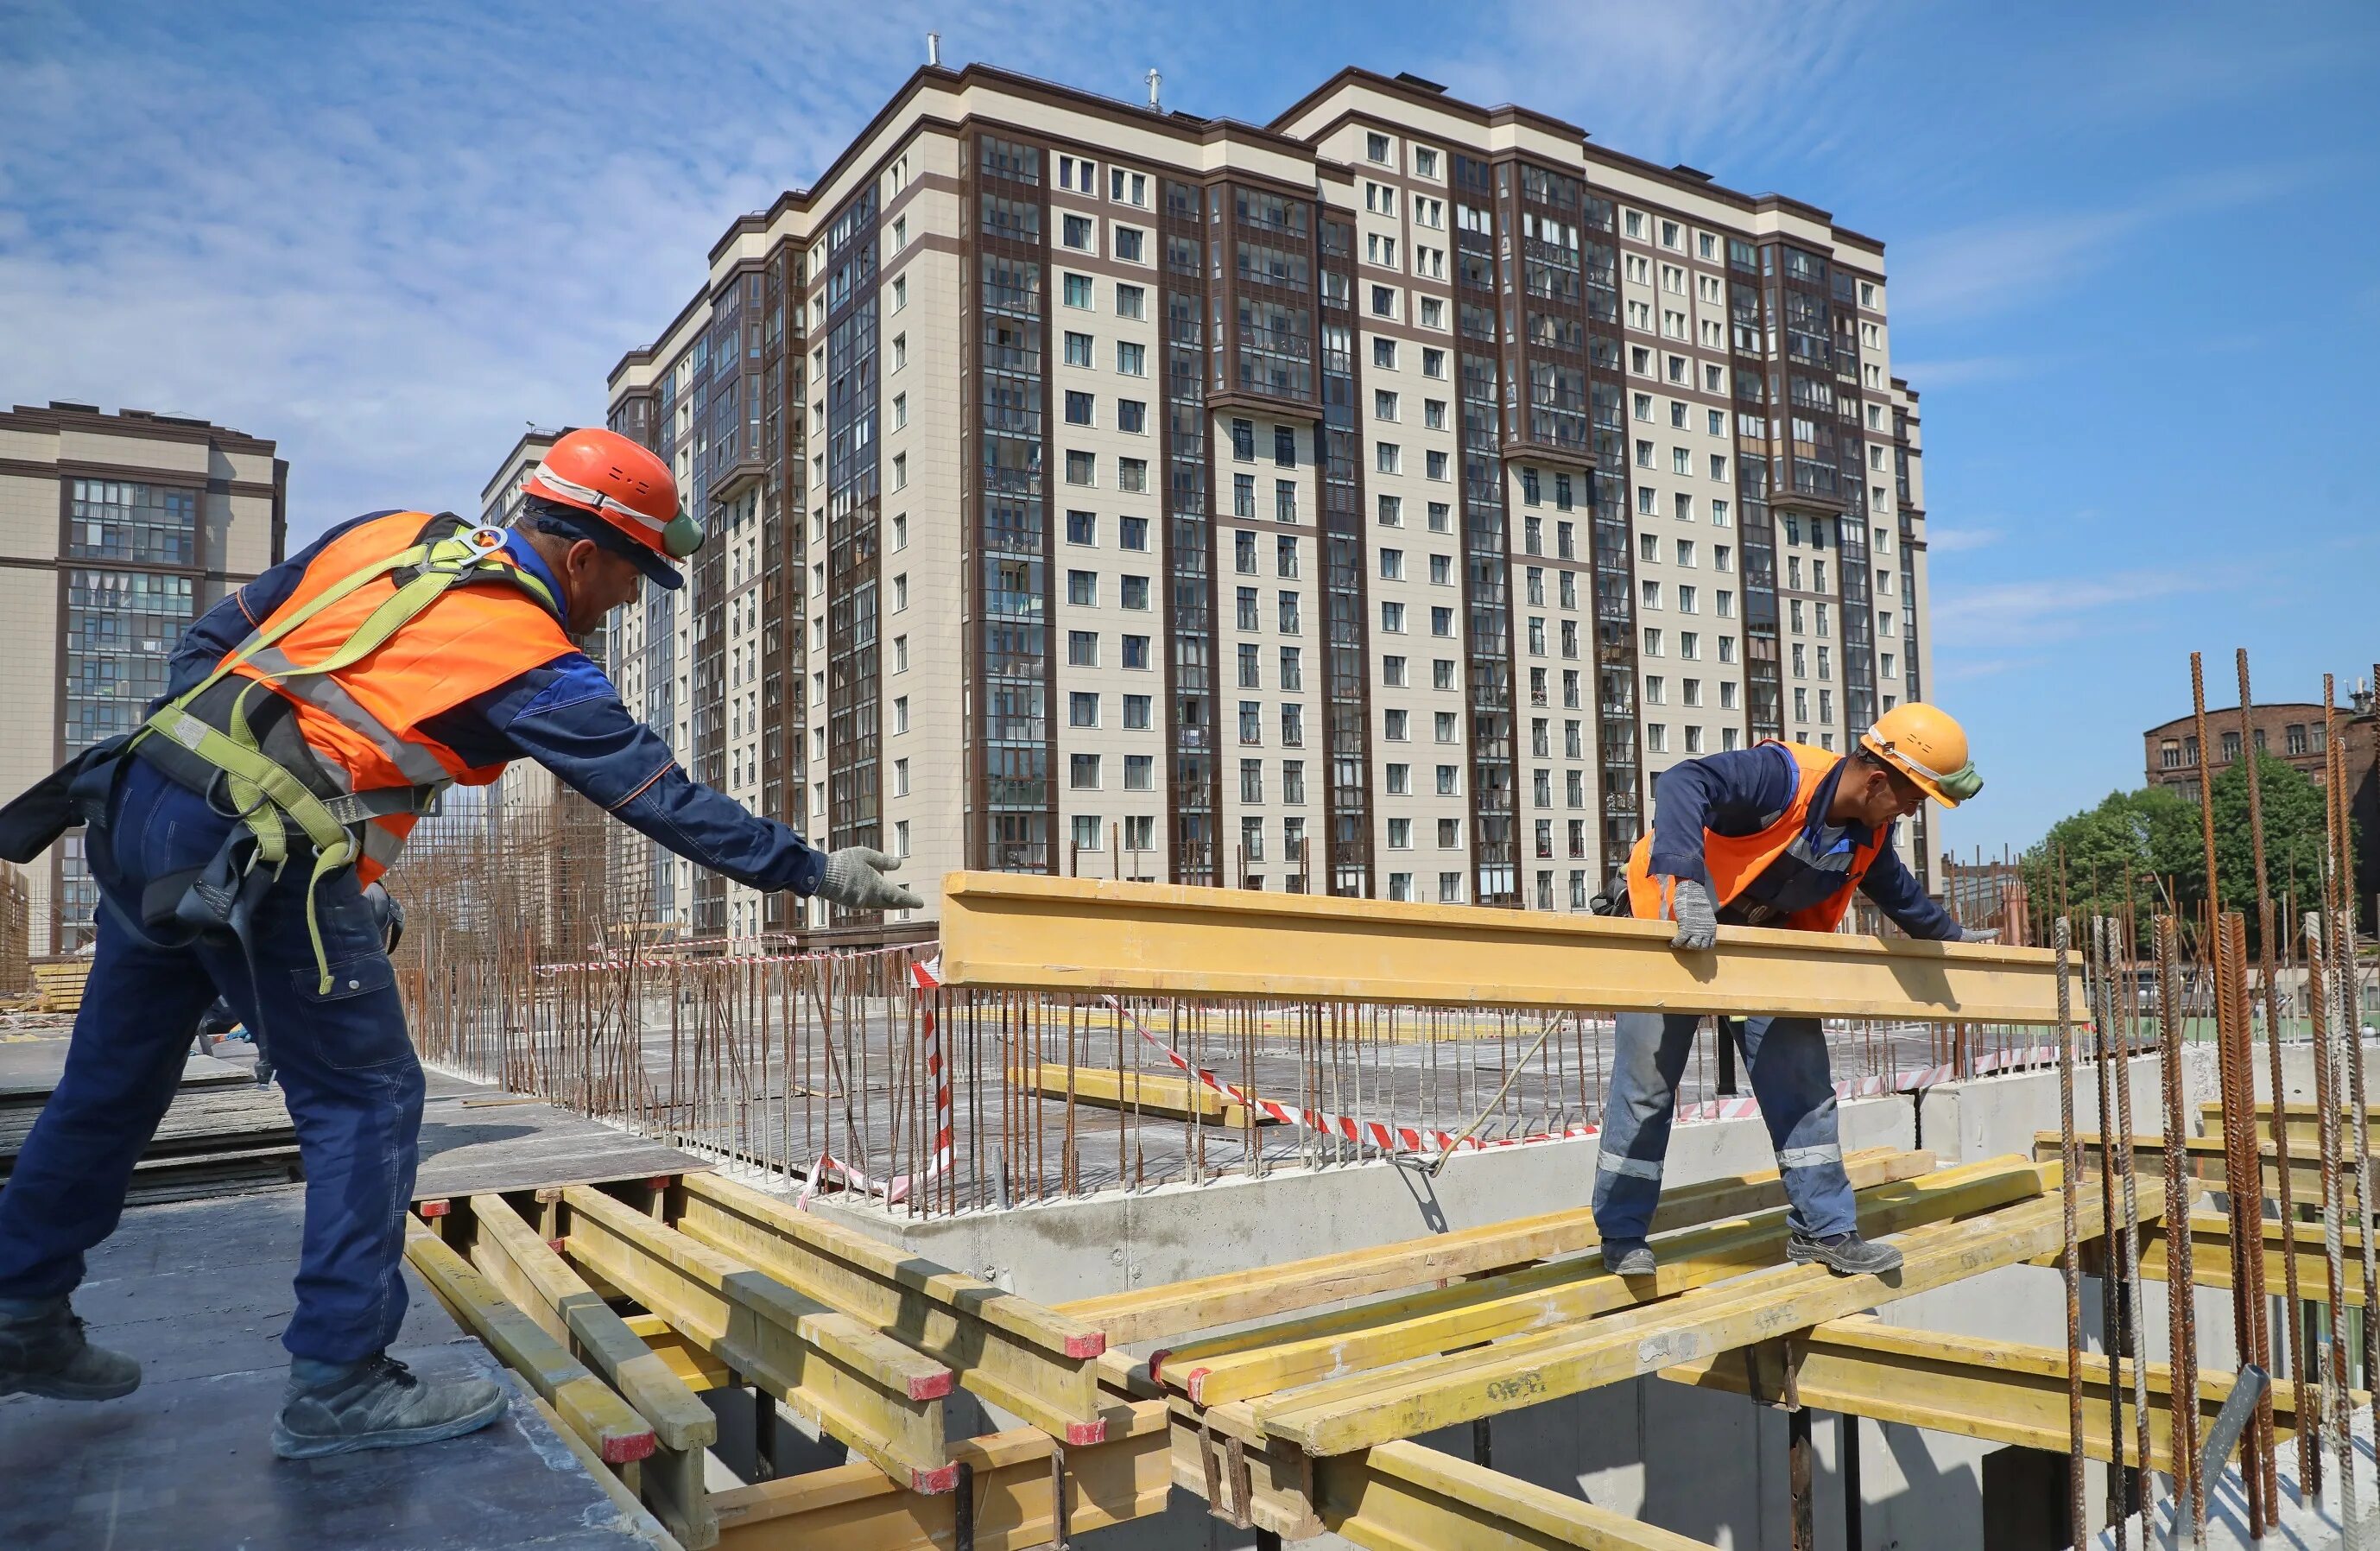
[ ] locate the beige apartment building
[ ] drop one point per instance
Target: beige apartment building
(1375, 502)
(115, 532)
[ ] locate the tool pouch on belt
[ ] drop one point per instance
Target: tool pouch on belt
(76, 793)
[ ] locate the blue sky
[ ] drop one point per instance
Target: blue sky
(2132, 251)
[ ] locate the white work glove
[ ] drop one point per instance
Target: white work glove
(854, 878)
(1689, 905)
(1969, 934)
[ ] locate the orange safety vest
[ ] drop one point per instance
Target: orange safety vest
(363, 722)
(1734, 861)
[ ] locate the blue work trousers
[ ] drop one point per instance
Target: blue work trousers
(1787, 1057)
(353, 1083)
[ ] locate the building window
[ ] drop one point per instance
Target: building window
(1077, 232)
(1078, 409)
(1139, 772)
(1136, 718)
(1082, 527)
(1082, 468)
(1082, 709)
(1078, 349)
(1083, 649)
(1078, 290)
(1083, 773)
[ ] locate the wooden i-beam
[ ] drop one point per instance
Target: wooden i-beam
(1069, 934)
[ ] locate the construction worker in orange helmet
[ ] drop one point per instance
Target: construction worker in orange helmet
(310, 717)
(1776, 835)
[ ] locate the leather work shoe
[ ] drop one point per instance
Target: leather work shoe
(1845, 1253)
(42, 1352)
(1625, 1259)
(377, 1403)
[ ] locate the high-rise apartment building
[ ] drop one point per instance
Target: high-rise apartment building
(115, 532)
(1372, 503)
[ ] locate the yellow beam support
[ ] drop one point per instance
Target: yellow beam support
(1402, 1497)
(696, 1368)
(603, 1420)
(542, 1283)
(1373, 1335)
(1409, 1399)
(2203, 1158)
(1013, 1352)
(866, 1389)
(854, 1508)
(1184, 1308)
(2304, 1122)
(1068, 934)
(1990, 1389)
(1150, 1093)
(2210, 1257)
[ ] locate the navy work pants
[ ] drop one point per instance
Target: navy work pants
(1788, 1062)
(353, 1083)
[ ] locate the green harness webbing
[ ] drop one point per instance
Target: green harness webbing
(263, 790)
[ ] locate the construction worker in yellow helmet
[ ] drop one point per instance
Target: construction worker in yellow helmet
(1776, 835)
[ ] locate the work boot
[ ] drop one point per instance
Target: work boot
(42, 1352)
(1628, 1257)
(1845, 1253)
(336, 1408)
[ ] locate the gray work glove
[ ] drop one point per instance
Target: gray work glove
(855, 879)
(1690, 905)
(1969, 934)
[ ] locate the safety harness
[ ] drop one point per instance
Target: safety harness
(265, 795)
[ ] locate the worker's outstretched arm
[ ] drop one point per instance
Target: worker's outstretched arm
(569, 719)
(1897, 893)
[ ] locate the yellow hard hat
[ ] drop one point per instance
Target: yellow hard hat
(1928, 746)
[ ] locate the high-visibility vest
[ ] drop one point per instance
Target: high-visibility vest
(1733, 861)
(363, 723)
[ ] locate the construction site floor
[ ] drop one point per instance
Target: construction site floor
(200, 1291)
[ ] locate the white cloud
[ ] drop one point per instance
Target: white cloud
(1955, 540)
(2049, 608)
(389, 242)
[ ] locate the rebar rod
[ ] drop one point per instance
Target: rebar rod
(2070, 1158)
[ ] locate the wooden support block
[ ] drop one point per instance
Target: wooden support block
(1402, 1497)
(854, 1508)
(867, 1389)
(2210, 1243)
(1020, 1356)
(1184, 1308)
(603, 1420)
(1409, 1399)
(1995, 1390)
(1068, 934)
(1281, 1356)
(543, 1284)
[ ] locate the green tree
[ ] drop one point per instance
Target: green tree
(2143, 844)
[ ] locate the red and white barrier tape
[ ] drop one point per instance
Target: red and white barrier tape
(922, 983)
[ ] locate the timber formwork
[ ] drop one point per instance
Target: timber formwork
(1286, 1397)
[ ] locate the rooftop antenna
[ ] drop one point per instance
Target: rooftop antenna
(933, 48)
(1153, 78)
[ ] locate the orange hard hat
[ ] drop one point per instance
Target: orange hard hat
(1926, 745)
(625, 485)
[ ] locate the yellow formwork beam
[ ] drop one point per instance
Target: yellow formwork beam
(2202, 1159)
(1184, 1308)
(1402, 1497)
(2210, 1257)
(542, 1283)
(1409, 1399)
(1995, 1390)
(605, 1421)
(2304, 1122)
(1012, 1479)
(1148, 1093)
(849, 1379)
(1069, 934)
(1279, 1357)
(1020, 1356)
(695, 1368)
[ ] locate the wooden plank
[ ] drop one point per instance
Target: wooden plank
(1409, 1399)
(868, 1390)
(1020, 1356)
(2203, 1156)
(695, 1368)
(1998, 1391)
(2210, 1236)
(1150, 1093)
(540, 1282)
(1068, 934)
(854, 1508)
(2304, 1122)
(1402, 1497)
(1281, 1356)
(603, 1420)
(1184, 1308)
